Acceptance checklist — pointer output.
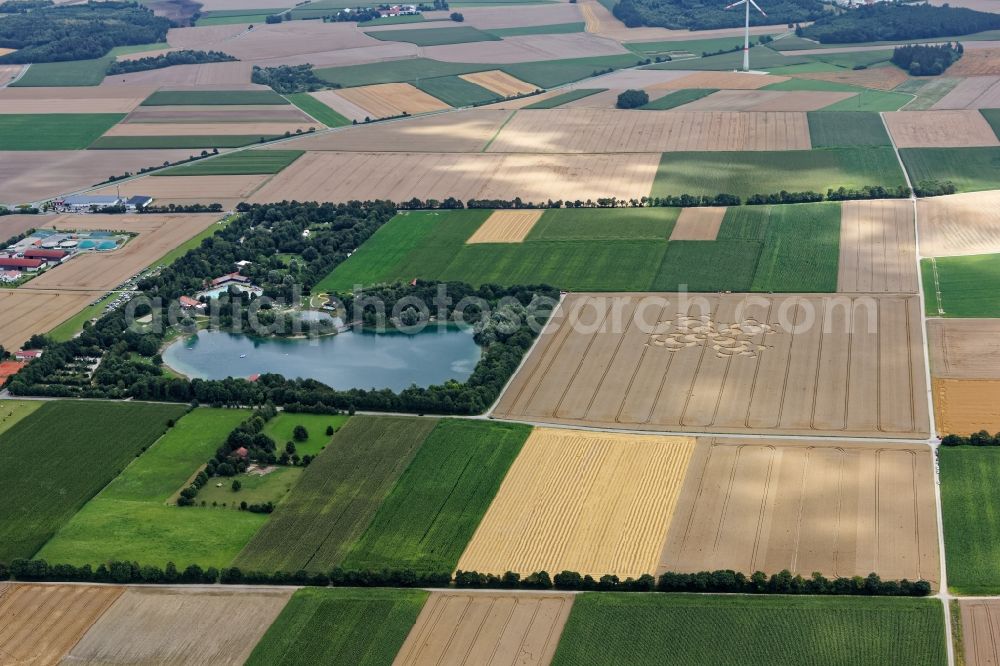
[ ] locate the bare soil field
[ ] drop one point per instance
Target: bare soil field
(724, 81)
(157, 235)
(615, 131)
(207, 129)
(608, 99)
(180, 626)
(964, 348)
(210, 74)
(8, 73)
(392, 99)
(698, 224)
(735, 363)
(229, 5)
(14, 225)
(401, 176)
(980, 628)
(963, 406)
(940, 129)
(294, 38)
(582, 501)
(878, 78)
(977, 62)
(959, 224)
(649, 79)
(84, 99)
(27, 312)
(264, 113)
(209, 37)
(526, 48)
(506, 226)
(499, 82)
(766, 100)
(380, 52)
(39, 624)
(27, 176)
(877, 247)
(227, 190)
(975, 92)
(836, 508)
(491, 18)
(499, 629)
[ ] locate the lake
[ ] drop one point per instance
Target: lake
(348, 360)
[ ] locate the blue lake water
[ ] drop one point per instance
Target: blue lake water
(348, 360)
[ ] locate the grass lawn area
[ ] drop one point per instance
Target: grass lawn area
(620, 628)
(852, 60)
(928, 90)
(456, 92)
(12, 411)
(318, 110)
(132, 518)
(337, 496)
(813, 84)
(552, 29)
(970, 506)
(340, 626)
(233, 164)
(761, 57)
(53, 131)
(280, 430)
(971, 169)
(829, 129)
(429, 517)
(970, 286)
(213, 97)
(235, 17)
(193, 142)
(137, 48)
(693, 46)
(435, 36)
(71, 73)
(255, 489)
(707, 266)
(565, 98)
(993, 118)
(678, 98)
(766, 172)
(58, 458)
(871, 100)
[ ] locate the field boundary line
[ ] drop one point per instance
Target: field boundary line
(499, 129)
(937, 286)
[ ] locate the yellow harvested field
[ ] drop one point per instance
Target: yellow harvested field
(766, 100)
(877, 247)
(499, 82)
(84, 99)
(180, 626)
(319, 176)
(603, 131)
(227, 190)
(878, 78)
(964, 406)
(698, 224)
(207, 129)
(7, 74)
(496, 628)
(144, 54)
(964, 348)
(736, 363)
(591, 502)
(977, 62)
(722, 81)
(837, 508)
(506, 226)
(28, 311)
(39, 624)
(392, 99)
(959, 224)
(4, 51)
(940, 129)
(980, 631)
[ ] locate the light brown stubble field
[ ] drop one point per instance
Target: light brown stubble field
(977, 62)
(964, 348)
(263, 113)
(218, 74)
(981, 631)
(506, 226)
(392, 99)
(499, 629)
(878, 78)
(27, 312)
(877, 247)
(227, 190)
(837, 508)
(85, 99)
(959, 224)
(698, 224)
(850, 365)
(940, 129)
(500, 82)
(975, 92)
(590, 502)
(766, 100)
(964, 406)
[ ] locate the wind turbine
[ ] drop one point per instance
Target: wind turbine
(746, 36)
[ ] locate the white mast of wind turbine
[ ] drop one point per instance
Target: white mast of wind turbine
(746, 35)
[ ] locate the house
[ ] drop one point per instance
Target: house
(242, 452)
(48, 256)
(9, 276)
(189, 303)
(20, 264)
(230, 278)
(82, 203)
(28, 354)
(242, 264)
(137, 202)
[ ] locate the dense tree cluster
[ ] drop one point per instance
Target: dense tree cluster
(287, 79)
(981, 438)
(884, 21)
(22, 6)
(78, 32)
(632, 99)
(927, 59)
(704, 15)
(185, 57)
(934, 188)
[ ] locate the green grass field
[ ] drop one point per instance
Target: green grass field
(928, 90)
(761, 58)
(155, 142)
(970, 286)
(429, 517)
(456, 92)
(225, 17)
(551, 29)
(871, 100)
(434, 36)
(813, 84)
(254, 489)
(993, 118)
(131, 519)
(235, 164)
(340, 626)
(970, 506)
(658, 629)
(72, 73)
(12, 411)
(53, 131)
(317, 110)
(971, 169)
(678, 98)
(692, 46)
(701, 266)
(551, 73)
(281, 428)
(213, 98)
(337, 496)
(852, 60)
(766, 172)
(565, 98)
(54, 461)
(829, 129)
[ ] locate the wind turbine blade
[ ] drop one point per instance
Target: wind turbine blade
(757, 7)
(736, 4)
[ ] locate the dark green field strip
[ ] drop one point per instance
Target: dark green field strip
(707, 266)
(552, 29)
(971, 169)
(318, 110)
(970, 507)
(970, 286)
(551, 73)
(207, 142)
(213, 98)
(429, 517)
(640, 629)
(53, 131)
(678, 98)
(337, 496)
(828, 129)
(72, 73)
(761, 57)
(340, 626)
(565, 98)
(993, 118)
(457, 92)
(434, 36)
(801, 251)
(236, 164)
(604, 224)
(54, 461)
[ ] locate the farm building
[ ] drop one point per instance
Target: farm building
(189, 303)
(9, 276)
(28, 354)
(229, 279)
(48, 256)
(138, 201)
(84, 202)
(20, 264)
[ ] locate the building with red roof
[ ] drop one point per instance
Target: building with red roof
(16, 263)
(46, 255)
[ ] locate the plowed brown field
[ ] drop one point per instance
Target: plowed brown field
(27, 312)
(227, 190)
(879, 78)
(699, 224)
(981, 631)
(85, 99)
(766, 100)
(877, 247)
(963, 406)
(39, 624)
(839, 509)
(977, 62)
(180, 626)
(212, 74)
(582, 501)
(499, 82)
(975, 92)
(499, 629)
(392, 99)
(940, 129)
(602, 131)
(959, 224)
(839, 364)
(506, 226)
(263, 113)
(207, 129)
(964, 348)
